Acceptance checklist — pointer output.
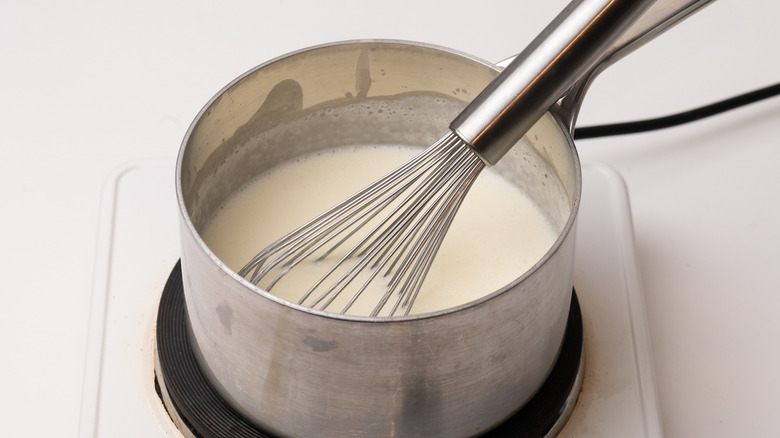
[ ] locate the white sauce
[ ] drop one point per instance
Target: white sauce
(498, 233)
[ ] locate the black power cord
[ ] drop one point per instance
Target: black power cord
(677, 119)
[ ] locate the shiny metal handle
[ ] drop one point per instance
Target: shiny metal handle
(556, 59)
(584, 39)
(661, 16)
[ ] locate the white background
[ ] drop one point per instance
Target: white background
(86, 86)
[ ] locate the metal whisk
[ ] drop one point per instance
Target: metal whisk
(404, 242)
(394, 227)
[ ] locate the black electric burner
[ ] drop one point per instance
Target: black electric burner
(197, 407)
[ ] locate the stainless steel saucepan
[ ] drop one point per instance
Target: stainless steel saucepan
(300, 372)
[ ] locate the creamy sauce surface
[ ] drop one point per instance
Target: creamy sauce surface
(497, 235)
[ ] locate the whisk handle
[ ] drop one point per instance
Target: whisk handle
(569, 47)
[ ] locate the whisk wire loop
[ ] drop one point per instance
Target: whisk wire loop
(385, 235)
(422, 197)
(363, 198)
(312, 232)
(398, 229)
(427, 247)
